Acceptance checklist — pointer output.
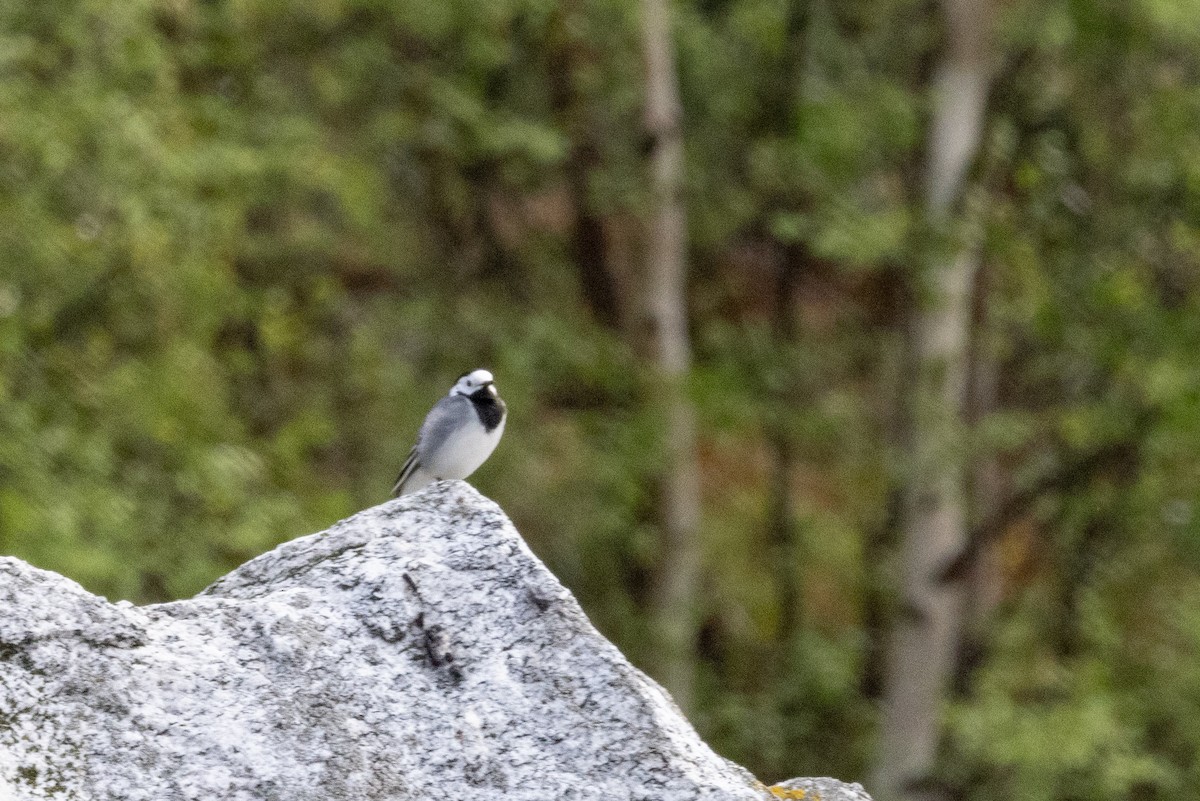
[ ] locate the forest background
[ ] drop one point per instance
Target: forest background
(851, 348)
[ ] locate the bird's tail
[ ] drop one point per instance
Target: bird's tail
(412, 481)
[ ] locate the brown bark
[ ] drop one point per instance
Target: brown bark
(784, 114)
(589, 251)
(781, 511)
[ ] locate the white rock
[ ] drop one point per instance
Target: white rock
(417, 650)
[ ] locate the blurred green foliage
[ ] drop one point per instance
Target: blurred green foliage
(245, 245)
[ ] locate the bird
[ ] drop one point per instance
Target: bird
(458, 435)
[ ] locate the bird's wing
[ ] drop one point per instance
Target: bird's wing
(443, 419)
(410, 464)
(446, 417)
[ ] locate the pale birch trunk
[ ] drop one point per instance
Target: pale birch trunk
(674, 614)
(926, 633)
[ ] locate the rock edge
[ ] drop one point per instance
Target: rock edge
(417, 650)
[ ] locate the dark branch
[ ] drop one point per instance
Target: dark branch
(1075, 473)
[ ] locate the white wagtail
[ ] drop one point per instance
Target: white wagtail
(459, 434)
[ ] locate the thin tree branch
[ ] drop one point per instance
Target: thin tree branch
(1075, 473)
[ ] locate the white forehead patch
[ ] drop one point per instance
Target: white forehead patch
(471, 382)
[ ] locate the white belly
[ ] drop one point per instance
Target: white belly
(462, 453)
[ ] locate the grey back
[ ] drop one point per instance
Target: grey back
(446, 416)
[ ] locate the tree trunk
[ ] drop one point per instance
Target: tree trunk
(780, 508)
(588, 247)
(674, 614)
(784, 115)
(924, 638)
(984, 588)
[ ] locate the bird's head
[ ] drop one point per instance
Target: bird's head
(474, 382)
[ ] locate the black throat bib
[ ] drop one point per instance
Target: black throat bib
(489, 408)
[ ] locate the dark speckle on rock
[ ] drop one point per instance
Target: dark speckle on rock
(541, 603)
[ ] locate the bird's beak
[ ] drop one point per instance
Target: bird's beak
(491, 388)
